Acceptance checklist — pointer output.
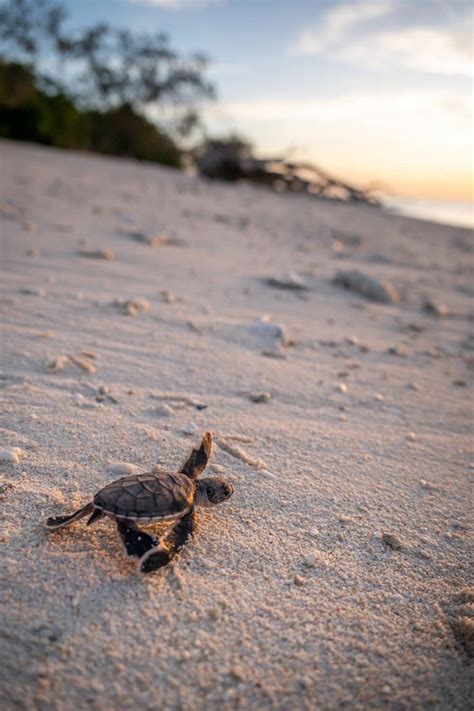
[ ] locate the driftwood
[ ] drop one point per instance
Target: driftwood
(221, 162)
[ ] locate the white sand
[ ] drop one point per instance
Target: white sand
(287, 598)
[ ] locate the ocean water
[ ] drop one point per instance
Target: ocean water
(460, 214)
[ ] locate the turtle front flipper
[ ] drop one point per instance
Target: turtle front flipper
(59, 521)
(136, 542)
(198, 459)
(170, 543)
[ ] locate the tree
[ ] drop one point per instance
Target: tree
(103, 68)
(25, 26)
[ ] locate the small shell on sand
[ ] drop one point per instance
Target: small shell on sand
(342, 388)
(12, 455)
(107, 254)
(120, 469)
(391, 541)
(371, 288)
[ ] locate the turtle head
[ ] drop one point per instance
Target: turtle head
(212, 491)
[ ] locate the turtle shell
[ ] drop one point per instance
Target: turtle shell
(146, 497)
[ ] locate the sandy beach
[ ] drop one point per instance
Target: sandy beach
(141, 307)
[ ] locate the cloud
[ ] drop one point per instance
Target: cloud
(369, 33)
(371, 108)
(431, 51)
(338, 23)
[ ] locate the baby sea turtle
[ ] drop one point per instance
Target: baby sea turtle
(158, 496)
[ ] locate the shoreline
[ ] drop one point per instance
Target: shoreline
(448, 213)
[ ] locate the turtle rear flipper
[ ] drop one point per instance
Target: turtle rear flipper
(96, 514)
(136, 542)
(198, 459)
(59, 521)
(170, 543)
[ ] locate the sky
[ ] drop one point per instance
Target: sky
(374, 91)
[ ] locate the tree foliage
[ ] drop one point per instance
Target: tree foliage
(30, 114)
